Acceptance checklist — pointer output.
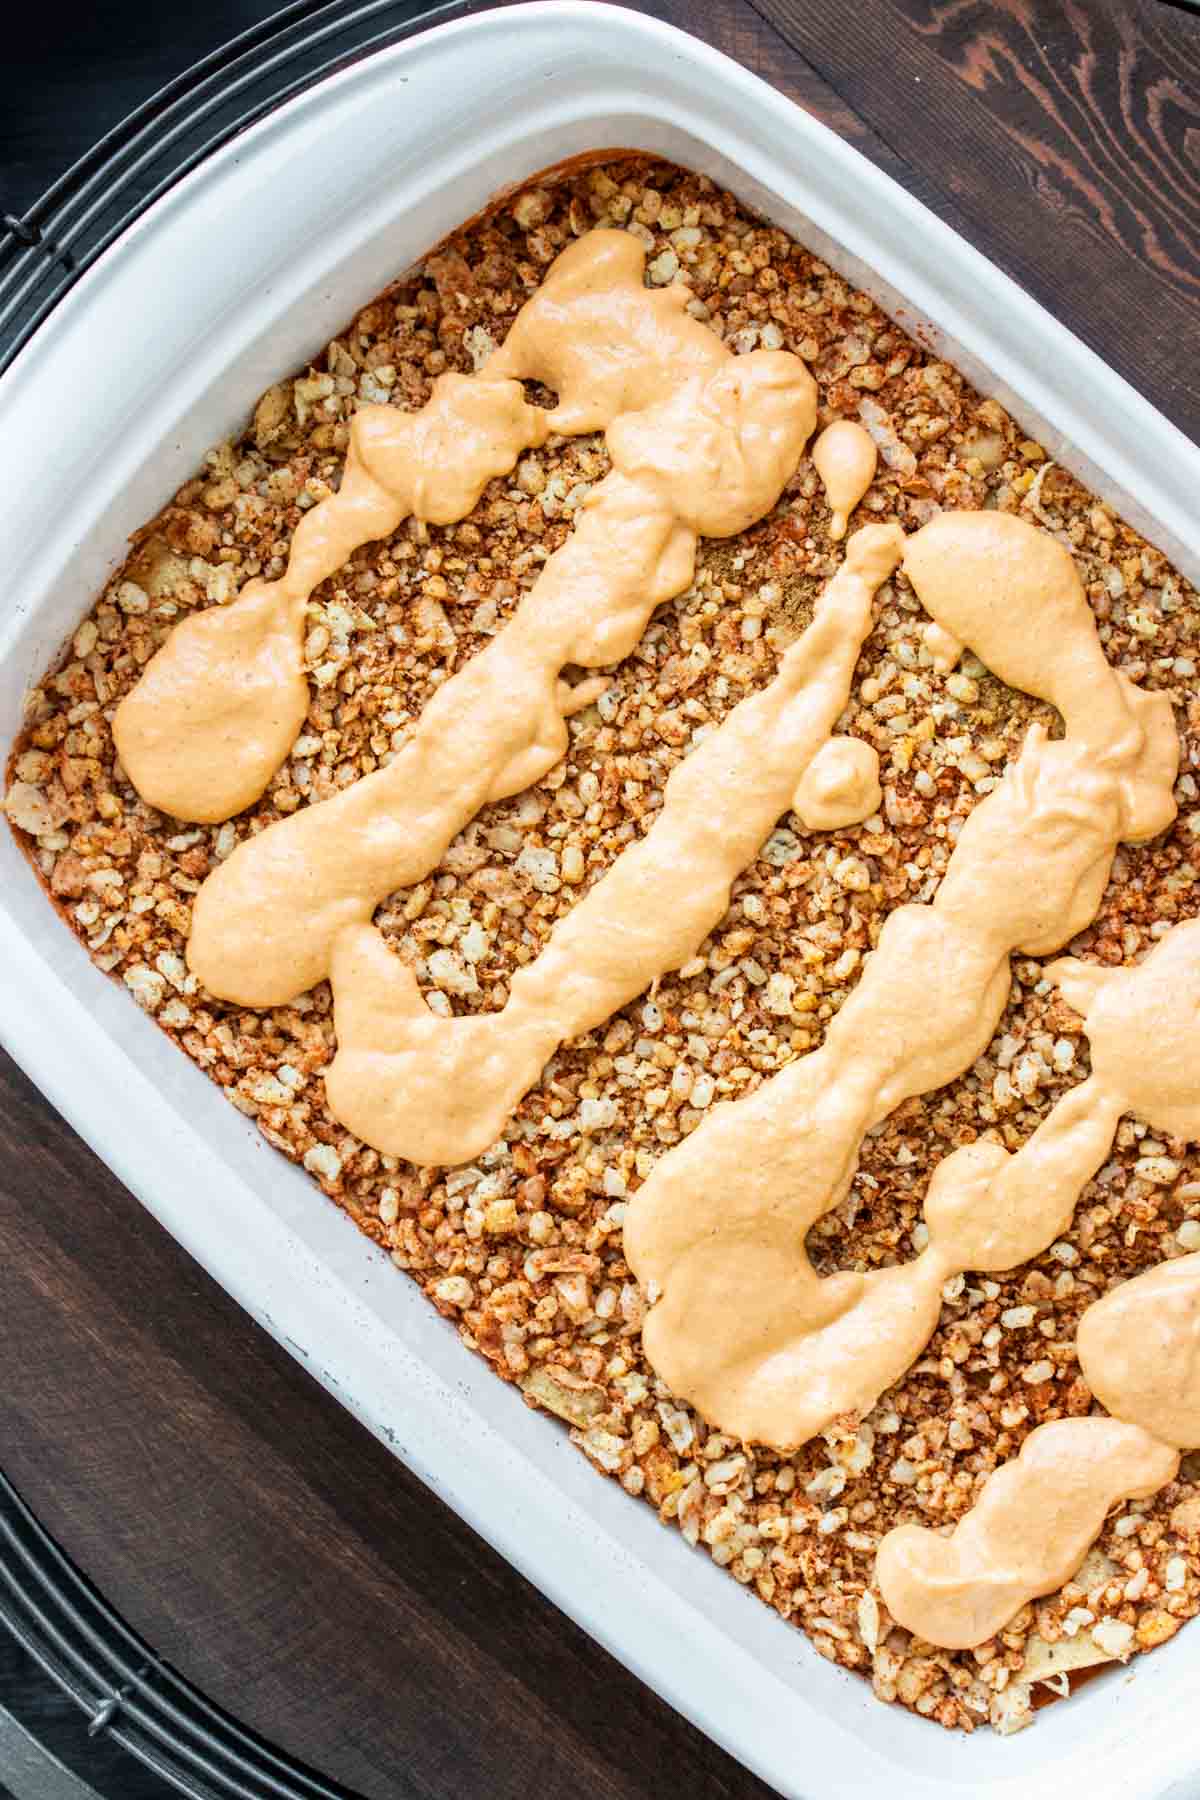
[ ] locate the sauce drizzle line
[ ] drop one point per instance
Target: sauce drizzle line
(701, 442)
(438, 1090)
(741, 1325)
(1139, 1346)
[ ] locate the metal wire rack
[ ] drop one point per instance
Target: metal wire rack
(126, 1692)
(44, 252)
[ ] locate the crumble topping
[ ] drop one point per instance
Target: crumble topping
(522, 1250)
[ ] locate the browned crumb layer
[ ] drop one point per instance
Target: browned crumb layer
(523, 1249)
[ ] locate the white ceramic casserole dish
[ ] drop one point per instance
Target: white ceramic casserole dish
(242, 271)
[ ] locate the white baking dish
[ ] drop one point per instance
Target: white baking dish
(246, 268)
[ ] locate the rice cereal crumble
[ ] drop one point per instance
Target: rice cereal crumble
(522, 1250)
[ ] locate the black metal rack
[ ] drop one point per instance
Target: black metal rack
(44, 252)
(128, 1695)
(125, 1692)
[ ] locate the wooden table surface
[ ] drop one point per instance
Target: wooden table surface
(256, 1535)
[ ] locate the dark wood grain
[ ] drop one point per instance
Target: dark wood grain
(1062, 137)
(258, 1537)
(264, 1542)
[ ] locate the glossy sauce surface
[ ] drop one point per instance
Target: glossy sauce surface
(845, 457)
(701, 443)
(439, 1090)
(742, 1326)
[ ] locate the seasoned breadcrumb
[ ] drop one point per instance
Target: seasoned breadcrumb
(522, 1250)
